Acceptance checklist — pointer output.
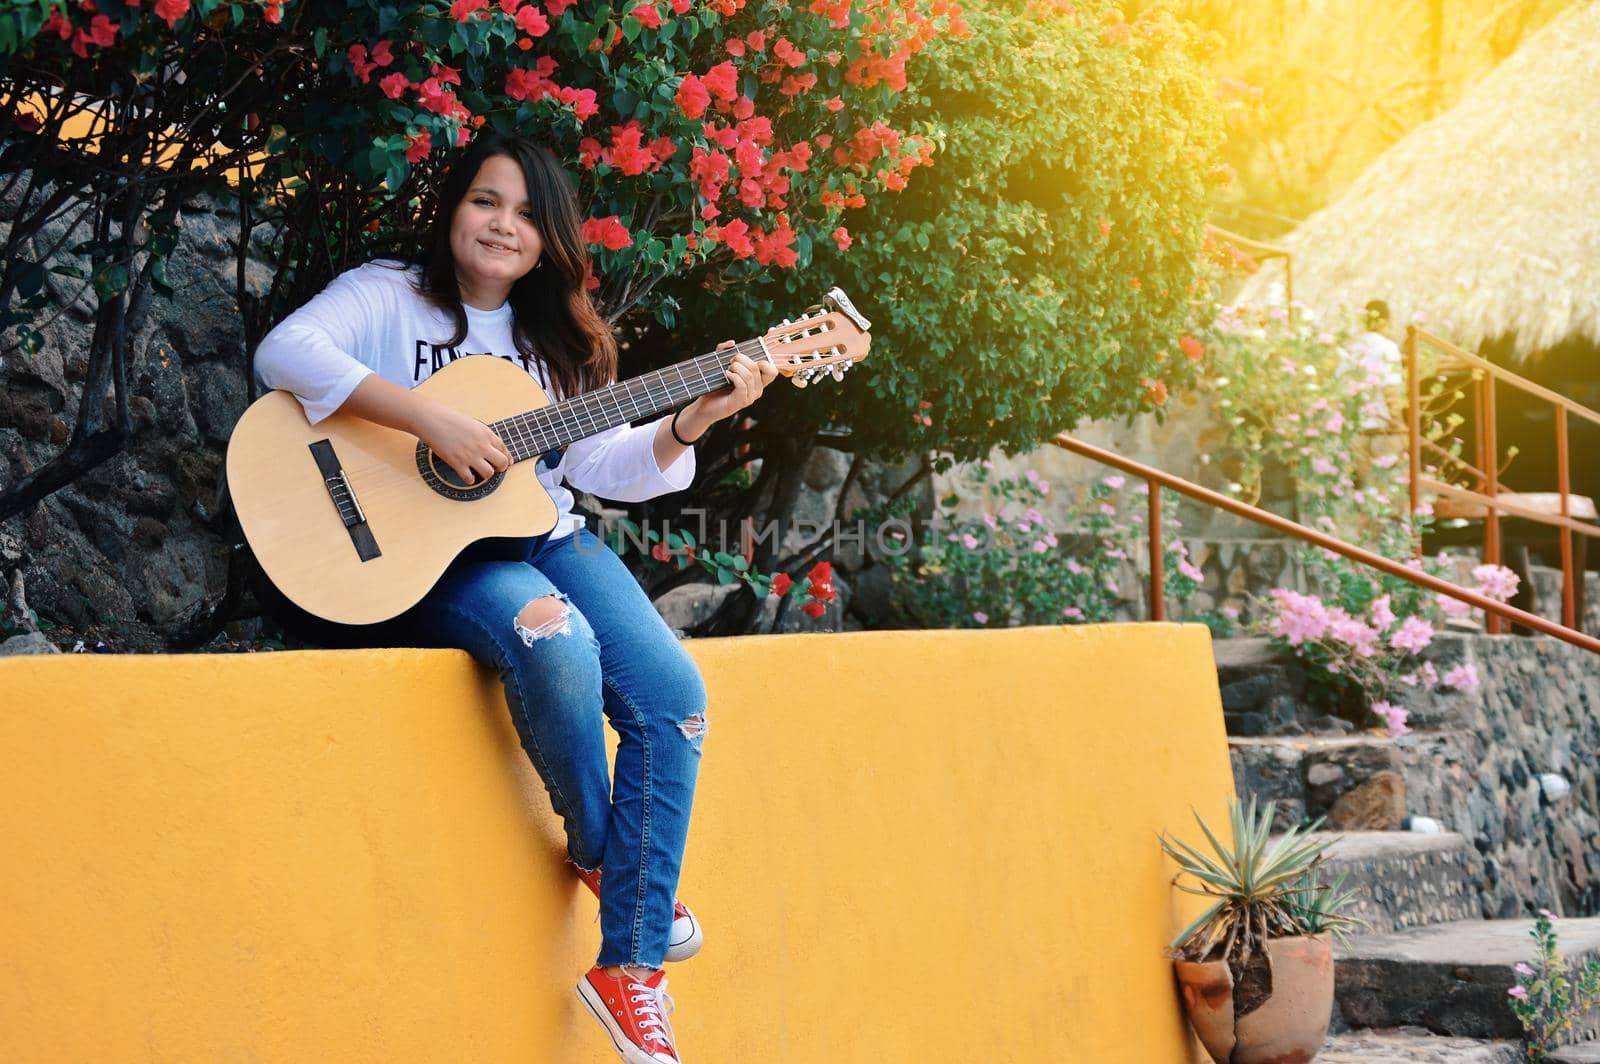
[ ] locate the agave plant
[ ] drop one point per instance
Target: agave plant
(1317, 906)
(1263, 887)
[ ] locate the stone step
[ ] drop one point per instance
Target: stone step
(1587, 1053)
(1414, 1045)
(1404, 879)
(1451, 978)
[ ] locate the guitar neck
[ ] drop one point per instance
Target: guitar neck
(551, 427)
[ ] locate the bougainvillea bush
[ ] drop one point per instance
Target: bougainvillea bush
(1042, 271)
(1318, 400)
(992, 558)
(709, 138)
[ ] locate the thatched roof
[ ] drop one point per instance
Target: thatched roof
(1485, 219)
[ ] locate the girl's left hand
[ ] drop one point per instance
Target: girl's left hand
(746, 381)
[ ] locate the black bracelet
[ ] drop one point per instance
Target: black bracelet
(673, 428)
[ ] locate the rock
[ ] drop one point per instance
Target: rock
(1328, 724)
(1269, 770)
(1378, 804)
(1244, 695)
(1331, 772)
(825, 469)
(1248, 725)
(873, 600)
(684, 607)
(26, 644)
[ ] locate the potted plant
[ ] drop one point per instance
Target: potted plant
(1256, 968)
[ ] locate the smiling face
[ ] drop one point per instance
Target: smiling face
(492, 236)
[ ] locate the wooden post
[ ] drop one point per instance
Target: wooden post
(1158, 576)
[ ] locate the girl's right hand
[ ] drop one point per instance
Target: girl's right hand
(467, 445)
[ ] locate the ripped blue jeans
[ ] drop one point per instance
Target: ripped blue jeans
(596, 652)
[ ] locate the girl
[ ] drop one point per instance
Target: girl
(569, 630)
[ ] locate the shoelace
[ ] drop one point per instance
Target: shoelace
(652, 1003)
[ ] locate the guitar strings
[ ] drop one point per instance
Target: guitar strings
(536, 432)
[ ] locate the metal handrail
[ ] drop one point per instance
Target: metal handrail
(1157, 479)
(1485, 376)
(1262, 251)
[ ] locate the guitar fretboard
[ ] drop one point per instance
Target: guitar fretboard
(534, 433)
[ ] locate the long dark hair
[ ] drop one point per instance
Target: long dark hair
(553, 317)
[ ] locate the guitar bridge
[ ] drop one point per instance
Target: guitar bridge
(345, 501)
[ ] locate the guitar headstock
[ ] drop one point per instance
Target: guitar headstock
(824, 341)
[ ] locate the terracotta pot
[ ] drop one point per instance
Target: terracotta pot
(1288, 1028)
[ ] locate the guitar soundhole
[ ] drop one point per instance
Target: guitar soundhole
(438, 475)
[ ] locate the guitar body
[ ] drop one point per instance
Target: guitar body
(304, 540)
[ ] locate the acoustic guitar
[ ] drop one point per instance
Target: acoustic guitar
(355, 522)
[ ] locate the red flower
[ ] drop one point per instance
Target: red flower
(841, 236)
(170, 11)
(661, 552)
(461, 10)
(821, 577)
(649, 16)
(692, 97)
(358, 60)
(722, 81)
(1193, 348)
(394, 85)
(781, 584)
(1105, 228)
(813, 609)
(421, 145)
(1155, 391)
(609, 232)
(559, 7)
(531, 20)
(788, 53)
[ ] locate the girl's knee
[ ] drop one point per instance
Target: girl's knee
(546, 617)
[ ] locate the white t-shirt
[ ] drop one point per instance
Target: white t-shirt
(372, 319)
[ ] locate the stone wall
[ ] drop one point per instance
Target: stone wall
(132, 539)
(1512, 766)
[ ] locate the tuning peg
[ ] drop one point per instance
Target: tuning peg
(838, 370)
(800, 380)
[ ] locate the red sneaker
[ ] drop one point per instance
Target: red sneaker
(634, 1014)
(686, 938)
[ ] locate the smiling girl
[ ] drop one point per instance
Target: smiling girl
(571, 634)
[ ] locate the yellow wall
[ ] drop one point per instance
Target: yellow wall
(930, 847)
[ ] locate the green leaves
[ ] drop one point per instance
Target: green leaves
(1263, 886)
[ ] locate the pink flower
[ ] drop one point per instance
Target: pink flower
(1496, 582)
(1414, 635)
(1518, 992)
(1522, 968)
(1322, 467)
(969, 541)
(1463, 677)
(1114, 482)
(1353, 633)
(980, 616)
(1453, 608)
(990, 520)
(1300, 618)
(1382, 614)
(1335, 423)
(1072, 611)
(1188, 569)
(1394, 718)
(1385, 461)
(1033, 515)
